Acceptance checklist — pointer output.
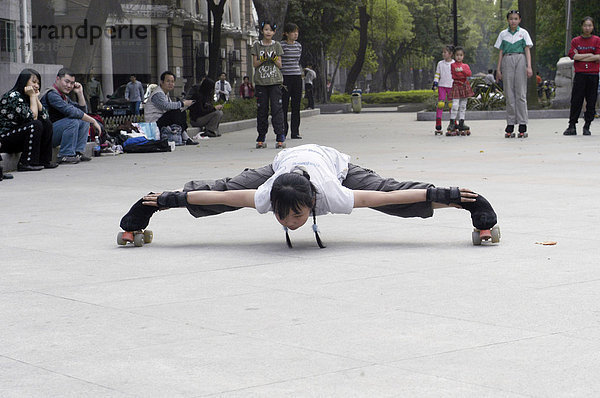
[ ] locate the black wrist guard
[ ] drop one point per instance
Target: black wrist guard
(444, 195)
(172, 199)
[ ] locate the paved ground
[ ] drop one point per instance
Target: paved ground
(391, 308)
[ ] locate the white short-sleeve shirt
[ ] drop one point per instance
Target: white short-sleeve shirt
(327, 168)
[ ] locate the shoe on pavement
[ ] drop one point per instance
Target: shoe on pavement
(28, 167)
(69, 160)
(83, 158)
(48, 165)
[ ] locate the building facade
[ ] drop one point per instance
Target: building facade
(148, 38)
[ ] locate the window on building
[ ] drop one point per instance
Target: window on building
(8, 41)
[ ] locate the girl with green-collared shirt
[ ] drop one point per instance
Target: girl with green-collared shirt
(514, 67)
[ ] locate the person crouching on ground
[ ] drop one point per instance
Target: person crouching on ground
(160, 109)
(203, 113)
(25, 125)
(70, 122)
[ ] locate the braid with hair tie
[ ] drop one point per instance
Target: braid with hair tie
(302, 171)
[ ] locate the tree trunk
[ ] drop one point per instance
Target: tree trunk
(362, 49)
(216, 10)
(527, 9)
(273, 11)
(337, 65)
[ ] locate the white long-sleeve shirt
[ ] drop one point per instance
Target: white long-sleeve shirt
(443, 75)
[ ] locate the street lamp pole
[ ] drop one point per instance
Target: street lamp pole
(455, 16)
(568, 30)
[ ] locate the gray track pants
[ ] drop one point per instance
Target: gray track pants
(514, 75)
(358, 178)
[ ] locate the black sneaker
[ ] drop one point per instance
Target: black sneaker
(4, 176)
(83, 158)
(586, 129)
(189, 141)
(69, 159)
(570, 130)
(50, 165)
(28, 167)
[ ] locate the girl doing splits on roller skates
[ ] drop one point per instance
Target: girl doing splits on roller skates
(309, 181)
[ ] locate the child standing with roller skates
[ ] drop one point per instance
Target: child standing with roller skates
(461, 91)
(514, 67)
(585, 51)
(266, 58)
(443, 82)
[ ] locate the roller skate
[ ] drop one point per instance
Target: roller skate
(523, 131)
(509, 131)
(484, 235)
(484, 221)
(134, 223)
(138, 238)
(438, 127)
(261, 144)
(463, 129)
(586, 129)
(280, 141)
(451, 129)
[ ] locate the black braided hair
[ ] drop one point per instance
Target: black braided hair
(290, 192)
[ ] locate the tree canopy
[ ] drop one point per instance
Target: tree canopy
(407, 36)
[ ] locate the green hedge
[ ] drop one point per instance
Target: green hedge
(388, 97)
(239, 109)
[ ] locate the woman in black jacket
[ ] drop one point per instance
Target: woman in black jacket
(202, 113)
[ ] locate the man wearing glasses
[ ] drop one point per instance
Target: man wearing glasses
(70, 123)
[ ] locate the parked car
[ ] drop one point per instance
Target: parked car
(116, 104)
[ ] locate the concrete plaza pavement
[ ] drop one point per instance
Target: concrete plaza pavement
(391, 308)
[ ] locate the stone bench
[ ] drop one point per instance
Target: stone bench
(10, 160)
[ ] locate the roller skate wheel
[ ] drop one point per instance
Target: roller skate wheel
(476, 238)
(260, 145)
(485, 234)
(280, 145)
(127, 236)
(148, 236)
(495, 234)
(120, 240)
(468, 132)
(138, 240)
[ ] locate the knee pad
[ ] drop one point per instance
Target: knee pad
(482, 213)
(450, 105)
(441, 104)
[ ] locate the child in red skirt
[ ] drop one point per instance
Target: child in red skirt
(461, 91)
